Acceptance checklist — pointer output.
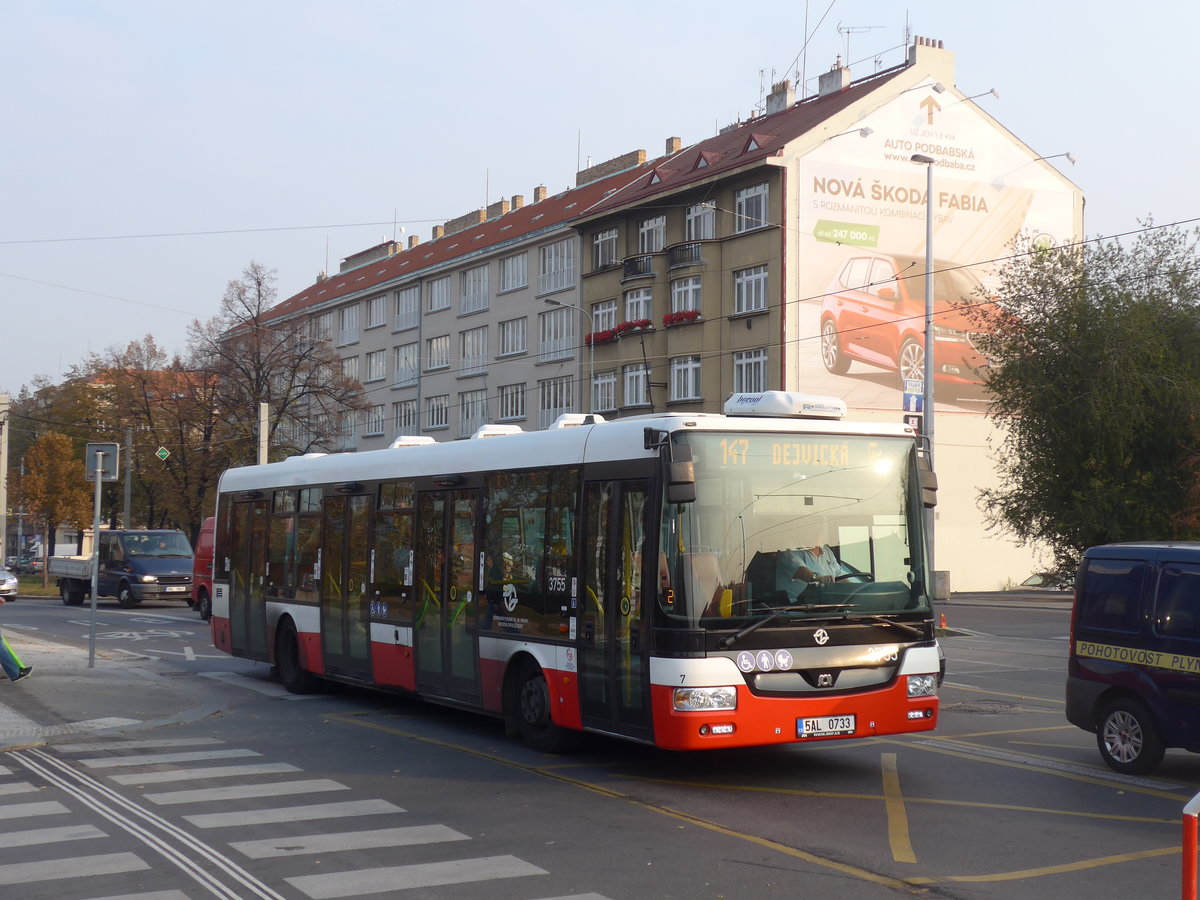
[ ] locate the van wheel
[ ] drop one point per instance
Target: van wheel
(1128, 738)
(70, 596)
(204, 604)
(125, 596)
(295, 678)
(538, 730)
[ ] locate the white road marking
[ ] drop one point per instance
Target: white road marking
(207, 772)
(348, 840)
(72, 867)
(293, 813)
(153, 759)
(402, 878)
(246, 791)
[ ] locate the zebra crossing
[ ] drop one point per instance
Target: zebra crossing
(138, 815)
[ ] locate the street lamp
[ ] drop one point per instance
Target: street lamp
(550, 301)
(927, 388)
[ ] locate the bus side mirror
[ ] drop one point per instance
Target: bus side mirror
(929, 482)
(679, 473)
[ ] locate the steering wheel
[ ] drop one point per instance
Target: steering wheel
(864, 575)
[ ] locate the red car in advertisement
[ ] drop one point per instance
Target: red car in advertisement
(874, 312)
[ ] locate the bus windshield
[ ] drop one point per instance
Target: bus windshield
(795, 526)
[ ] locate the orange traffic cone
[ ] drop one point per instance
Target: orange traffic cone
(942, 621)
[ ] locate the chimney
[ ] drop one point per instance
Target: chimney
(518, 200)
(499, 208)
(610, 167)
(438, 231)
(413, 240)
(781, 97)
(539, 193)
(835, 80)
(673, 145)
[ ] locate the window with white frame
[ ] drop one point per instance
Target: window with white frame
(685, 294)
(406, 365)
(557, 266)
(557, 332)
(437, 352)
(557, 396)
(474, 289)
(438, 294)
(750, 371)
(685, 378)
(350, 368)
(604, 246)
(750, 289)
(750, 208)
(512, 402)
(408, 308)
(474, 351)
(437, 411)
(472, 412)
(652, 234)
(514, 272)
(604, 392)
(637, 384)
(512, 337)
(373, 421)
(346, 425)
(700, 221)
(377, 311)
(321, 327)
(637, 304)
(348, 324)
(376, 365)
(404, 417)
(604, 315)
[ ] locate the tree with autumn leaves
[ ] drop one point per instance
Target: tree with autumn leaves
(53, 489)
(194, 415)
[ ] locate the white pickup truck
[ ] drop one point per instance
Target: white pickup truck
(132, 566)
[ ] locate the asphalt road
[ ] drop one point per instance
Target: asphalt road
(166, 770)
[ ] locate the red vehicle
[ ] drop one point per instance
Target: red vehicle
(874, 312)
(202, 569)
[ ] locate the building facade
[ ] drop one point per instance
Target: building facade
(785, 252)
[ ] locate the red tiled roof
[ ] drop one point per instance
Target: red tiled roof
(533, 217)
(727, 151)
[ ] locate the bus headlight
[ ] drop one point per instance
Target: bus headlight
(704, 698)
(922, 685)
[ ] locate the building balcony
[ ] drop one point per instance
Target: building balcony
(638, 267)
(685, 255)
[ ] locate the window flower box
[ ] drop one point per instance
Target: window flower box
(633, 325)
(682, 317)
(607, 336)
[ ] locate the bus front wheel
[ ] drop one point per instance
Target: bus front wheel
(533, 713)
(287, 658)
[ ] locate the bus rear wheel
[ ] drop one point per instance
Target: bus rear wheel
(538, 729)
(287, 659)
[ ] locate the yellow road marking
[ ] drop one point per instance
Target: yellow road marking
(1078, 866)
(898, 837)
(973, 690)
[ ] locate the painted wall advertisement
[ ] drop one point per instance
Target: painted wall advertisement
(862, 249)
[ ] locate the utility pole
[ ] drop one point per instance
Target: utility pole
(5, 402)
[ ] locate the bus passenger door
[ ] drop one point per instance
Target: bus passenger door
(248, 566)
(613, 664)
(444, 626)
(345, 624)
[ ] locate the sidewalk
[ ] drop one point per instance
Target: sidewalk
(65, 697)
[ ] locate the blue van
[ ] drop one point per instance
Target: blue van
(1133, 674)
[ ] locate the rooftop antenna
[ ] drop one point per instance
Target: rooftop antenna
(848, 30)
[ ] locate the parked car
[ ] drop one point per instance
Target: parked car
(1044, 581)
(8, 585)
(31, 565)
(1133, 669)
(874, 312)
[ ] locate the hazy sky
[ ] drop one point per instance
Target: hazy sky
(153, 149)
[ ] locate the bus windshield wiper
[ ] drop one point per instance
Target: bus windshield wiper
(729, 640)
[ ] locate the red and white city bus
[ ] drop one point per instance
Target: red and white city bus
(647, 577)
